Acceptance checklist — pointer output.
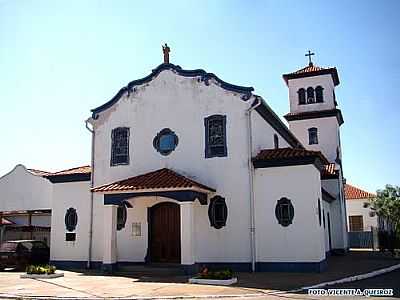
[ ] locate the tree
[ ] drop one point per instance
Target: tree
(386, 204)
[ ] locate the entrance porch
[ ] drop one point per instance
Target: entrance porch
(150, 219)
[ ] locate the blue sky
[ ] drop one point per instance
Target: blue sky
(60, 59)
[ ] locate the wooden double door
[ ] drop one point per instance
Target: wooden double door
(165, 233)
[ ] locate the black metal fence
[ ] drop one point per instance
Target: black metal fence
(360, 239)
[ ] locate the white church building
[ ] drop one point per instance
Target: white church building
(189, 169)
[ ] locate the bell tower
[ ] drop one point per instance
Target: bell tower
(314, 116)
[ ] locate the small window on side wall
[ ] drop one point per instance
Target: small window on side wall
(284, 212)
(215, 136)
(217, 212)
(276, 141)
(302, 96)
(319, 212)
(120, 146)
(312, 136)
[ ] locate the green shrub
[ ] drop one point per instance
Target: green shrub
(46, 269)
(219, 275)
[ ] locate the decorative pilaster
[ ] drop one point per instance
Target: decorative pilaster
(110, 238)
(187, 233)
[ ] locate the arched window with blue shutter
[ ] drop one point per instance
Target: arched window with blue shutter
(120, 146)
(215, 136)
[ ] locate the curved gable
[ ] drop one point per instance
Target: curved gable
(24, 189)
(204, 77)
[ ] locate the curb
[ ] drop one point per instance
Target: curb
(350, 278)
(5, 296)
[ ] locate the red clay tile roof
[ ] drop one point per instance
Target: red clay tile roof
(309, 68)
(352, 192)
(312, 70)
(283, 153)
(73, 171)
(39, 172)
(5, 221)
(160, 179)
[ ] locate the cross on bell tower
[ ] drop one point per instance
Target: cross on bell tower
(309, 54)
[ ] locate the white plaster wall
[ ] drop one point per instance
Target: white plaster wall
(303, 240)
(328, 138)
(337, 214)
(323, 80)
(21, 190)
(355, 207)
(263, 135)
(181, 104)
(66, 195)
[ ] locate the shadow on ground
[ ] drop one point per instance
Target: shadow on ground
(353, 263)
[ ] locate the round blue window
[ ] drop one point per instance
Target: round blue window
(165, 141)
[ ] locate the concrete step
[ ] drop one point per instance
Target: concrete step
(152, 270)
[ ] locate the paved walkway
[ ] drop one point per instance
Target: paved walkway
(92, 285)
(85, 286)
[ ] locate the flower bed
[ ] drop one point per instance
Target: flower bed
(224, 277)
(46, 271)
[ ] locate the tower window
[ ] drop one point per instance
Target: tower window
(276, 141)
(310, 95)
(120, 146)
(319, 94)
(302, 96)
(312, 136)
(215, 134)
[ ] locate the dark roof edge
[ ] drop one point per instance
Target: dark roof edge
(332, 71)
(326, 196)
(205, 77)
(316, 114)
(269, 115)
(292, 161)
(68, 178)
(328, 176)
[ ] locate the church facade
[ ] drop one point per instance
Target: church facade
(188, 169)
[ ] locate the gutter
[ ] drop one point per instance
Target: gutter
(253, 106)
(88, 263)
